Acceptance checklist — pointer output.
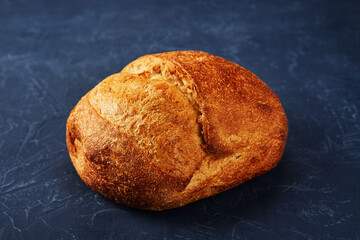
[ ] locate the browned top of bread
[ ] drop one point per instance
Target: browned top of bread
(175, 127)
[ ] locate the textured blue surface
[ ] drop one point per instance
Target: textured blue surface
(308, 52)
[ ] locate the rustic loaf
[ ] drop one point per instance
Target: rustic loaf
(173, 128)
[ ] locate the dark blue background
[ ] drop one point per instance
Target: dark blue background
(308, 52)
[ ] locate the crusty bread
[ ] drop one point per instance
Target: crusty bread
(173, 128)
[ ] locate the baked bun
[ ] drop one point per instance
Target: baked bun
(173, 128)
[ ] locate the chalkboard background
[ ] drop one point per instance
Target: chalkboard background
(308, 52)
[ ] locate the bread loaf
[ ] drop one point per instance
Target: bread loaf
(173, 128)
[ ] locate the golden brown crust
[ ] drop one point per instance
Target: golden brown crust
(175, 127)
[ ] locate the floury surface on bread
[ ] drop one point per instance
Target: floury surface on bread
(173, 128)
